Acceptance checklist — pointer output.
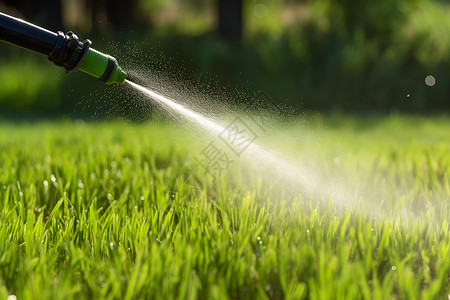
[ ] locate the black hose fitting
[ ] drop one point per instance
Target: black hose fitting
(69, 52)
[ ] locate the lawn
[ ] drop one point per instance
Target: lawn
(111, 210)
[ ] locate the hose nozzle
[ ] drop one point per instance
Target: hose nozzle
(73, 55)
(102, 66)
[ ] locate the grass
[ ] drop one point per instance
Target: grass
(110, 210)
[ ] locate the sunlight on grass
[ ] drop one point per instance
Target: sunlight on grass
(113, 210)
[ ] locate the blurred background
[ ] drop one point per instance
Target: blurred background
(322, 55)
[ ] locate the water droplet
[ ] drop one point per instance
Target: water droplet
(20, 194)
(11, 297)
(371, 229)
(430, 80)
(260, 10)
(408, 95)
(142, 198)
(45, 183)
(111, 245)
(394, 268)
(113, 164)
(53, 178)
(258, 238)
(267, 288)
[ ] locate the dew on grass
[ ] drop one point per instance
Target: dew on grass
(45, 183)
(20, 194)
(371, 229)
(267, 287)
(394, 268)
(260, 242)
(11, 297)
(258, 238)
(111, 245)
(113, 164)
(53, 178)
(135, 207)
(408, 95)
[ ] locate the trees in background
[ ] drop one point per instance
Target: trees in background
(230, 19)
(45, 12)
(117, 14)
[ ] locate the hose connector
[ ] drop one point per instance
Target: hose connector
(69, 52)
(73, 55)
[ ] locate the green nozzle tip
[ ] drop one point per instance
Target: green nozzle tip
(103, 67)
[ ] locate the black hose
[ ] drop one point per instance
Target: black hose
(26, 35)
(65, 50)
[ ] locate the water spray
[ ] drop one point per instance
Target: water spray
(63, 49)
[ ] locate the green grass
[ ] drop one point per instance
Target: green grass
(110, 210)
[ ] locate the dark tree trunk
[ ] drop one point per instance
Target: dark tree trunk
(230, 19)
(122, 13)
(45, 13)
(98, 10)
